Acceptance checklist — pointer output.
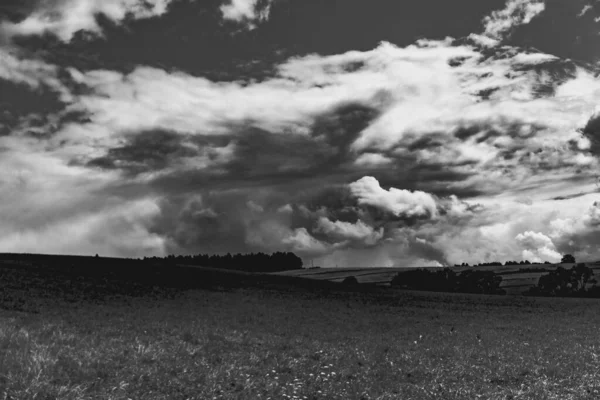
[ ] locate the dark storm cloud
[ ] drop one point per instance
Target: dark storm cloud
(592, 132)
(16, 10)
(146, 152)
(262, 154)
(258, 157)
(203, 224)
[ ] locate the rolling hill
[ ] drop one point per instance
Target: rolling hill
(515, 278)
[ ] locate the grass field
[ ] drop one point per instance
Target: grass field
(253, 343)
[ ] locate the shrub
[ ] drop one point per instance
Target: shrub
(350, 281)
(563, 282)
(446, 280)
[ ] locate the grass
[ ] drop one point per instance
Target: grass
(252, 343)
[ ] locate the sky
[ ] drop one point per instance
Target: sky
(355, 133)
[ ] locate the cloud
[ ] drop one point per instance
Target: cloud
(300, 241)
(248, 11)
(456, 133)
(30, 72)
(285, 209)
(501, 23)
(584, 10)
(64, 18)
(332, 120)
(396, 201)
(121, 231)
(257, 208)
(359, 232)
(54, 208)
(578, 232)
(537, 247)
(359, 108)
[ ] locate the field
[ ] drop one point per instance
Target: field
(513, 281)
(68, 339)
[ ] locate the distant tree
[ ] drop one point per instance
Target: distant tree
(446, 280)
(568, 259)
(563, 282)
(485, 282)
(350, 281)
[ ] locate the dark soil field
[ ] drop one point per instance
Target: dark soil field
(68, 338)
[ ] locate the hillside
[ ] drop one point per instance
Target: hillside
(514, 279)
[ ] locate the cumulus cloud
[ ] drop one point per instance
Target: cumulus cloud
(537, 247)
(248, 11)
(399, 202)
(359, 232)
(64, 18)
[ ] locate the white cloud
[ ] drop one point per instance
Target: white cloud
(396, 201)
(285, 209)
(256, 208)
(517, 12)
(302, 242)
(26, 71)
(121, 231)
(31, 72)
(245, 11)
(537, 247)
(65, 18)
(340, 230)
(372, 160)
(415, 89)
(585, 10)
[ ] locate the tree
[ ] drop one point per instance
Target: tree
(564, 282)
(568, 259)
(350, 281)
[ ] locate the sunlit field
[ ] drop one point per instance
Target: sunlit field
(70, 340)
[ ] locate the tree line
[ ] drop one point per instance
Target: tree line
(252, 262)
(566, 259)
(447, 280)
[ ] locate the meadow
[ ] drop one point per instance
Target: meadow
(66, 338)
